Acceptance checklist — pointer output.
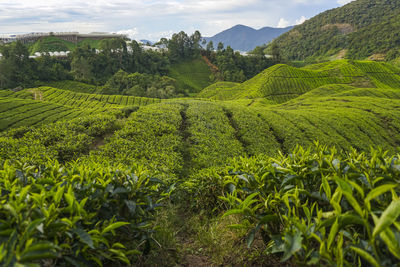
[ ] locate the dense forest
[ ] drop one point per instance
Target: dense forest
(361, 29)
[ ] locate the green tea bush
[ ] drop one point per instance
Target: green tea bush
(75, 215)
(64, 141)
(150, 137)
(320, 207)
(212, 138)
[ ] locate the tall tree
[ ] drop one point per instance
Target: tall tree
(17, 69)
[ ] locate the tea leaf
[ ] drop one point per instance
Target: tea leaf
(292, 245)
(113, 226)
(333, 232)
(388, 217)
(366, 256)
(84, 236)
(374, 193)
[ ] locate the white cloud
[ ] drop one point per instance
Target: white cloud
(148, 19)
(132, 33)
(301, 20)
(156, 36)
(283, 23)
(343, 2)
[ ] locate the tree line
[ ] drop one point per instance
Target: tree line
(125, 67)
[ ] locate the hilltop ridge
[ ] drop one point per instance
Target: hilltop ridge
(358, 30)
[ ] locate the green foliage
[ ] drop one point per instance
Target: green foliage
(91, 66)
(52, 68)
(197, 149)
(183, 47)
(78, 214)
(55, 44)
(90, 42)
(234, 67)
(16, 68)
(321, 206)
(341, 90)
(137, 84)
(360, 29)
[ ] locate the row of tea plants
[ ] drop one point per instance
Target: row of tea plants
(318, 206)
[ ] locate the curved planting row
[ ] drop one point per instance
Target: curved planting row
(383, 74)
(281, 83)
(79, 100)
(20, 112)
(83, 100)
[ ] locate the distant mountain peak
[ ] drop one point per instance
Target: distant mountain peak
(241, 26)
(244, 38)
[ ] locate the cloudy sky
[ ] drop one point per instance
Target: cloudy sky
(153, 19)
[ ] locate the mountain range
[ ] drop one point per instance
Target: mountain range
(244, 38)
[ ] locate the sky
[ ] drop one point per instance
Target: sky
(154, 19)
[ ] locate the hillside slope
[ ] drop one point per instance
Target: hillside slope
(244, 38)
(281, 82)
(191, 75)
(358, 30)
(55, 44)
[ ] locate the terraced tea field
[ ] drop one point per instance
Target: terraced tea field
(80, 100)
(23, 112)
(46, 105)
(281, 83)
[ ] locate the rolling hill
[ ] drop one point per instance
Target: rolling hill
(244, 38)
(358, 30)
(281, 82)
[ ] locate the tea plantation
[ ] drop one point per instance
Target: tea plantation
(298, 166)
(281, 83)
